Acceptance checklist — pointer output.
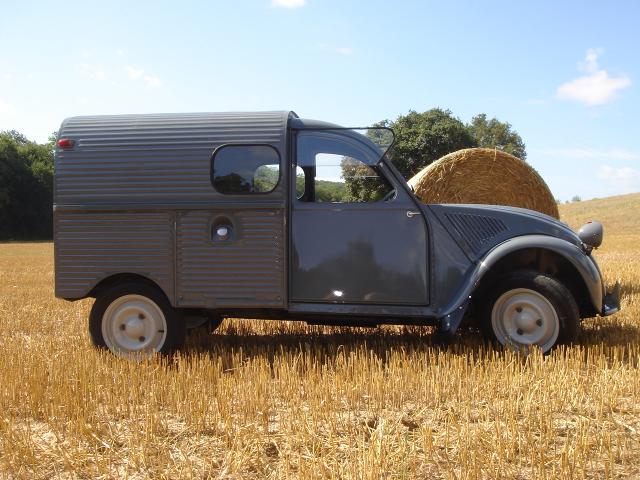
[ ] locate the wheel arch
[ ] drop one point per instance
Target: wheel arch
(119, 278)
(549, 255)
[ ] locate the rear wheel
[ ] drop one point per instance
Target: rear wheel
(528, 309)
(135, 319)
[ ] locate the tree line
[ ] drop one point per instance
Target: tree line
(26, 167)
(423, 138)
(26, 188)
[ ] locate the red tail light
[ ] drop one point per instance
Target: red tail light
(66, 143)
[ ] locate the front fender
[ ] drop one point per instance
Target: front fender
(584, 265)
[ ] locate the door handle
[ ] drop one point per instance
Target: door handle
(222, 232)
(412, 213)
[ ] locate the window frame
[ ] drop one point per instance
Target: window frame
(224, 145)
(345, 139)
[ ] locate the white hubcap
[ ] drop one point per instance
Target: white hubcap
(134, 324)
(522, 317)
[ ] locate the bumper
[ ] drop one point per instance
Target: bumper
(611, 303)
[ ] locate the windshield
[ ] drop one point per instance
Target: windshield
(382, 137)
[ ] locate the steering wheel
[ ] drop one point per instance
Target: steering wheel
(389, 196)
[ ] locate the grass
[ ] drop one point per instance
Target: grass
(286, 400)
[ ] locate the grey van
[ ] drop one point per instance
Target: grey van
(175, 220)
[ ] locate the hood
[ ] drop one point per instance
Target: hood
(522, 211)
(479, 228)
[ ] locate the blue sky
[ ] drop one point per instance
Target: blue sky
(564, 74)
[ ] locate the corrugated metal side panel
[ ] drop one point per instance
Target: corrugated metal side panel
(93, 246)
(153, 158)
(246, 272)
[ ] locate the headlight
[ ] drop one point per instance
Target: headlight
(591, 234)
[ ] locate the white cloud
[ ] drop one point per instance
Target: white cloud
(325, 47)
(120, 52)
(148, 79)
(152, 81)
(623, 178)
(288, 3)
(596, 88)
(590, 63)
(592, 153)
(7, 76)
(134, 73)
(94, 72)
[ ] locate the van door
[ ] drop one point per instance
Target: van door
(355, 238)
(230, 253)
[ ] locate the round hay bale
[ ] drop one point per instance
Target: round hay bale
(485, 176)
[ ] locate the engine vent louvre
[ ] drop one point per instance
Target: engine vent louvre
(477, 230)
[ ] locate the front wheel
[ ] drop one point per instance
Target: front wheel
(135, 319)
(529, 309)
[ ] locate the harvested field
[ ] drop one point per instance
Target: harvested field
(286, 400)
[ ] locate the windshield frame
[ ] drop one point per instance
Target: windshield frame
(381, 150)
(383, 163)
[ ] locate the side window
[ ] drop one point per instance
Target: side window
(245, 169)
(329, 170)
(300, 190)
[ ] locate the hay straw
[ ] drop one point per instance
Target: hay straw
(484, 176)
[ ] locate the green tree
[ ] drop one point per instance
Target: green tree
(328, 191)
(496, 134)
(422, 138)
(362, 183)
(26, 187)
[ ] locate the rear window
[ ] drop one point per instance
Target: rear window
(245, 169)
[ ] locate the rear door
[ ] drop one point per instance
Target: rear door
(356, 238)
(230, 254)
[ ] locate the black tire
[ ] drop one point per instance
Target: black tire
(214, 322)
(520, 284)
(201, 321)
(175, 327)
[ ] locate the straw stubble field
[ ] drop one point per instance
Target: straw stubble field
(285, 400)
